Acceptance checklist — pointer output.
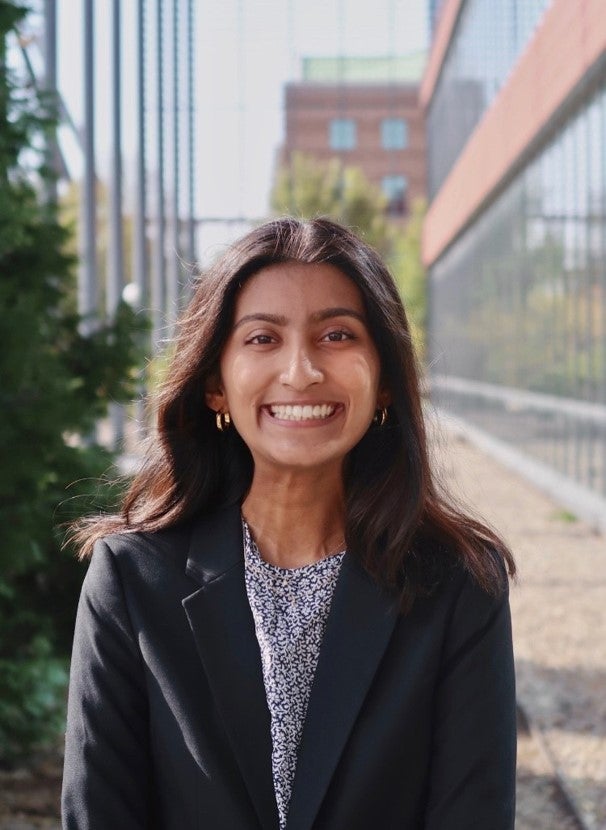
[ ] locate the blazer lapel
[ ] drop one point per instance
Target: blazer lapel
(222, 624)
(360, 623)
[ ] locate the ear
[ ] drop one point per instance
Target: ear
(214, 395)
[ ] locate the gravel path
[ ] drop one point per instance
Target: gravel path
(541, 804)
(559, 620)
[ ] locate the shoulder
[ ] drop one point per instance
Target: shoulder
(126, 562)
(447, 587)
(142, 578)
(436, 567)
(201, 542)
(477, 619)
(169, 544)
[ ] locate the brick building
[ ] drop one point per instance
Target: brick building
(365, 112)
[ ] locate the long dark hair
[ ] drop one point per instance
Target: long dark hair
(398, 524)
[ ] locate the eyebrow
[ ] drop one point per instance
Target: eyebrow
(316, 317)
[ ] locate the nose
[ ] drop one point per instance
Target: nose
(300, 370)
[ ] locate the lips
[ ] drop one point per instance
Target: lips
(301, 412)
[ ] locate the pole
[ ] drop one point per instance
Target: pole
(140, 247)
(116, 249)
(175, 246)
(140, 256)
(159, 274)
(87, 283)
(191, 211)
(50, 86)
(115, 260)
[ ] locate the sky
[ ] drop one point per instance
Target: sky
(246, 50)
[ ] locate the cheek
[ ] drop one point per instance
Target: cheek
(240, 379)
(367, 373)
(363, 377)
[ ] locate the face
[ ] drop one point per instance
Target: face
(299, 374)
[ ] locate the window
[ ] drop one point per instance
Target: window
(394, 188)
(394, 134)
(342, 134)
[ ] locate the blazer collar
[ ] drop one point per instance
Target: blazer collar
(216, 544)
(358, 629)
(223, 627)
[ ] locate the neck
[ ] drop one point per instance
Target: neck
(296, 519)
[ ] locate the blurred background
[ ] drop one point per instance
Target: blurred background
(465, 140)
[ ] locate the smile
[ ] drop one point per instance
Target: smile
(299, 412)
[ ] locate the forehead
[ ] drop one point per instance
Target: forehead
(298, 287)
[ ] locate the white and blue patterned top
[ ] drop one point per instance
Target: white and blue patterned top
(290, 608)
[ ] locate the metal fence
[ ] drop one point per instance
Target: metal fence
(124, 149)
(134, 62)
(518, 307)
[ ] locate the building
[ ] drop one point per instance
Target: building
(365, 112)
(515, 236)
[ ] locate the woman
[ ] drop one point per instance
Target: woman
(286, 626)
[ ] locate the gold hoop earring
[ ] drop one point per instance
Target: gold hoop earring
(223, 420)
(380, 416)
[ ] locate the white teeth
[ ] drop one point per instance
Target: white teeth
(286, 412)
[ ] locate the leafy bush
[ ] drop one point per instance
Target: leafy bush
(56, 382)
(32, 698)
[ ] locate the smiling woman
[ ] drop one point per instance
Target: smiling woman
(287, 620)
(299, 376)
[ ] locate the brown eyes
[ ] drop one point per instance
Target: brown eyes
(339, 336)
(335, 336)
(260, 339)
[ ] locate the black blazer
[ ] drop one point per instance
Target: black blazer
(410, 724)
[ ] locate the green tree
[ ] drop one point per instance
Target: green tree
(307, 188)
(407, 267)
(56, 383)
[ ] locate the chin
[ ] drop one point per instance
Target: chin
(303, 461)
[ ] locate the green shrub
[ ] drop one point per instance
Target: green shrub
(32, 699)
(56, 382)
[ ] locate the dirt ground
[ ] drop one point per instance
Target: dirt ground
(29, 797)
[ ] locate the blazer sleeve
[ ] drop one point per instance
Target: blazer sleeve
(472, 783)
(107, 772)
